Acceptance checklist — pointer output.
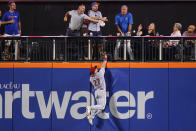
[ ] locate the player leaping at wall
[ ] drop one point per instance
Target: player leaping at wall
(98, 81)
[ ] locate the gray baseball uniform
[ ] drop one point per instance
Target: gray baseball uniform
(98, 81)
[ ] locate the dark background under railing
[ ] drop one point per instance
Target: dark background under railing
(62, 48)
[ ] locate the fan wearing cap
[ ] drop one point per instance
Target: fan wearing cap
(98, 81)
(94, 29)
(94, 13)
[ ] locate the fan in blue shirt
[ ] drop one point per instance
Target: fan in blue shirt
(15, 27)
(124, 21)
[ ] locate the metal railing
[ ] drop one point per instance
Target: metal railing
(63, 48)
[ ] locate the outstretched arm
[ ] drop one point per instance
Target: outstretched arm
(104, 62)
(102, 18)
(66, 16)
(91, 19)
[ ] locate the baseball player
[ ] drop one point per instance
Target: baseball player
(98, 82)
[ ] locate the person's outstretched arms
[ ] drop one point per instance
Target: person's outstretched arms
(105, 61)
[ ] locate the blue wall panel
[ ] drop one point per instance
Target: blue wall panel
(156, 109)
(7, 83)
(182, 99)
(74, 81)
(38, 80)
(171, 108)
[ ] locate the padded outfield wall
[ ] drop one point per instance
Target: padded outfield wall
(140, 97)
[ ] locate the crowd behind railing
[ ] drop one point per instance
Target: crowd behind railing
(84, 40)
(65, 48)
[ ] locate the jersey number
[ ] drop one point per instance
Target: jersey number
(96, 82)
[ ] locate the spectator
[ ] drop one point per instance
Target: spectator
(123, 22)
(176, 30)
(171, 48)
(77, 19)
(0, 23)
(150, 46)
(189, 45)
(4, 22)
(94, 29)
(12, 28)
(150, 31)
(190, 31)
(176, 33)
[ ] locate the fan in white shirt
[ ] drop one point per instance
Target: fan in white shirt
(176, 33)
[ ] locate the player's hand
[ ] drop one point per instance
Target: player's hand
(128, 33)
(106, 57)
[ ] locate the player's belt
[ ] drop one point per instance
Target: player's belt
(99, 89)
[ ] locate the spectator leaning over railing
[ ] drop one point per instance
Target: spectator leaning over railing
(77, 19)
(94, 28)
(74, 29)
(189, 45)
(12, 28)
(123, 22)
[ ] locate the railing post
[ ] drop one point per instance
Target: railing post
(16, 49)
(143, 50)
(66, 41)
(89, 49)
(181, 49)
(161, 50)
(54, 49)
(130, 51)
(27, 55)
(125, 50)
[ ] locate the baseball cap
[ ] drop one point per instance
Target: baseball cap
(94, 3)
(92, 69)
